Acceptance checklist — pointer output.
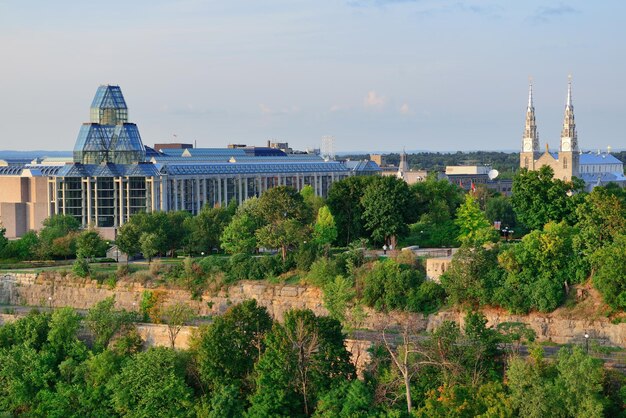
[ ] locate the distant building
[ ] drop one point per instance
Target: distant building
(114, 176)
(595, 169)
(402, 171)
(466, 176)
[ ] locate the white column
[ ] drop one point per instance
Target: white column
(240, 190)
(245, 189)
(225, 191)
(197, 180)
(175, 191)
(219, 191)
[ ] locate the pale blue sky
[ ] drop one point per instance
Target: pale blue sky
(376, 74)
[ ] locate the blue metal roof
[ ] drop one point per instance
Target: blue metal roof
(109, 170)
(602, 158)
(363, 166)
(37, 170)
(254, 168)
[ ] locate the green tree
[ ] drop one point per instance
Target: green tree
(127, 240)
(228, 348)
(609, 277)
(337, 294)
(104, 321)
(152, 384)
(391, 286)
(539, 198)
(64, 246)
(56, 226)
(325, 230)
(436, 200)
(539, 269)
(474, 228)
(313, 203)
(473, 276)
(150, 244)
(89, 244)
(175, 316)
(388, 208)
(207, 227)
(283, 212)
(499, 208)
(344, 202)
(601, 218)
(3, 240)
(239, 235)
(296, 366)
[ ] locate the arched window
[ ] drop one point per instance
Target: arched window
(564, 162)
(526, 162)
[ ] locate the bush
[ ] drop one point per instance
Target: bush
(81, 268)
(391, 286)
(322, 272)
(306, 255)
(428, 298)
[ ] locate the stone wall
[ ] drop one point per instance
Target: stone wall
(56, 291)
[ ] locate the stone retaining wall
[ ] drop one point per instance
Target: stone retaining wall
(56, 291)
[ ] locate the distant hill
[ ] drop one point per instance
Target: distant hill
(33, 154)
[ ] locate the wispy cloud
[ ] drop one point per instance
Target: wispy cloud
(373, 100)
(380, 3)
(405, 109)
(546, 14)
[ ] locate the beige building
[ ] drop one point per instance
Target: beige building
(24, 198)
(565, 163)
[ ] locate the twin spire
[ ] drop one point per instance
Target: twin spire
(569, 140)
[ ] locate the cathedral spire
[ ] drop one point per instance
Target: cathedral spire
(530, 140)
(569, 137)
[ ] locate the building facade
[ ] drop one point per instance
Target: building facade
(569, 161)
(114, 176)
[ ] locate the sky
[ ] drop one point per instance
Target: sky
(377, 75)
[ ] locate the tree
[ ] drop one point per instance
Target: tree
(391, 286)
(302, 359)
(104, 321)
(127, 240)
(344, 202)
(283, 212)
(313, 203)
(609, 277)
(388, 208)
(539, 198)
(499, 208)
(150, 244)
(474, 228)
(3, 240)
(337, 294)
(601, 218)
(64, 246)
(325, 230)
(89, 244)
(152, 384)
(436, 200)
(175, 316)
(239, 235)
(207, 227)
(473, 276)
(56, 226)
(539, 269)
(228, 348)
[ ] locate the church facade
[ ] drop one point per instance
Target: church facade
(569, 161)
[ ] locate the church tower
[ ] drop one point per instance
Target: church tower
(530, 140)
(569, 153)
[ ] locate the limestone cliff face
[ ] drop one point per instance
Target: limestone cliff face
(57, 291)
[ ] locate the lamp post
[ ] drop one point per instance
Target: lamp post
(385, 249)
(587, 342)
(50, 302)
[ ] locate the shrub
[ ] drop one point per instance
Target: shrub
(81, 267)
(322, 272)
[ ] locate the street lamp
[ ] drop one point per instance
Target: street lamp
(50, 302)
(385, 249)
(587, 342)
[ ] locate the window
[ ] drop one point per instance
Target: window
(564, 162)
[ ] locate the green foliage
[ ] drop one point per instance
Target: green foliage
(337, 294)
(349, 399)
(152, 384)
(24, 248)
(473, 276)
(499, 208)
(81, 267)
(430, 296)
(322, 271)
(127, 240)
(601, 218)
(89, 244)
(474, 227)
(391, 286)
(609, 264)
(296, 368)
(538, 268)
(324, 230)
(104, 321)
(238, 236)
(56, 226)
(344, 202)
(388, 207)
(228, 348)
(437, 200)
(538, 198)
(150, 244)
(206, 228)
(226, 403)
(175, 316)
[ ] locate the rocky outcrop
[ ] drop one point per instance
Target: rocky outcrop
(57, 291)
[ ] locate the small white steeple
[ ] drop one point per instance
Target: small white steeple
(530, 139)
(569, 137)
